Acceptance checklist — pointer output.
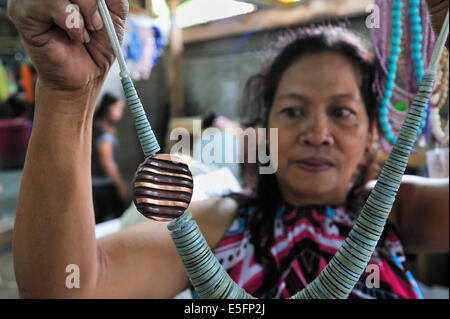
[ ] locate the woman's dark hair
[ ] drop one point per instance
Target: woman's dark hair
(107, 100)
(258, 97)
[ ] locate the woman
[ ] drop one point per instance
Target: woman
(109, 191)
(141, 261)
(317, 92)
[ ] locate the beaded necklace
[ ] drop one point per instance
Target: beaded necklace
(408, 51)
(208, 277)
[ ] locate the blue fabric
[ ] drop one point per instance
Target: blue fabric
(133, 44)
(107, 137)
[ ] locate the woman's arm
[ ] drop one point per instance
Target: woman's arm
(141, 261)
(422, 214)
(109, 166)
(54, 224)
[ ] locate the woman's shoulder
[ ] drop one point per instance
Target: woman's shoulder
(105, 137)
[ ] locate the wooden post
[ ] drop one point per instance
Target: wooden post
(176, 53)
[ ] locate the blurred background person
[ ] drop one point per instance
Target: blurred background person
(110, 193)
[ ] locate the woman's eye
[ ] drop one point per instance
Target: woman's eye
(292, 112)
(341, 112)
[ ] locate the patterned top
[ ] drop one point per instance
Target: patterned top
(305, 241)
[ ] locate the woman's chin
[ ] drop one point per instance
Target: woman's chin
(316, 179)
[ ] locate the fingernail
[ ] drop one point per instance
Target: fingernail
(86, 36)
(97, 21)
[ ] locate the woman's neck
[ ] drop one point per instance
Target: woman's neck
(305, 200)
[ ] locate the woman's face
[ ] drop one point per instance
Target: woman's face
(115, 111)
(323, 129)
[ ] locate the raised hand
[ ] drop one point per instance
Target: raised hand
(70, 49)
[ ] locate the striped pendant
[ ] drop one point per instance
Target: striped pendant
(163, 186)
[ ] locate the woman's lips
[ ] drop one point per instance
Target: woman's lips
(314, 164)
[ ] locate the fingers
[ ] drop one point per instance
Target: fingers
(74, 17)
(89, 9)
(68, 17)
(34, 18)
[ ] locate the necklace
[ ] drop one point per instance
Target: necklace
(210, 280)
(409, 50)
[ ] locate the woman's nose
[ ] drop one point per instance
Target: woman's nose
(316, 132)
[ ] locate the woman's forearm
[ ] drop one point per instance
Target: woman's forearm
(54, 224)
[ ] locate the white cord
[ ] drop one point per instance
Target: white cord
(145, 133)
(109, 25)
